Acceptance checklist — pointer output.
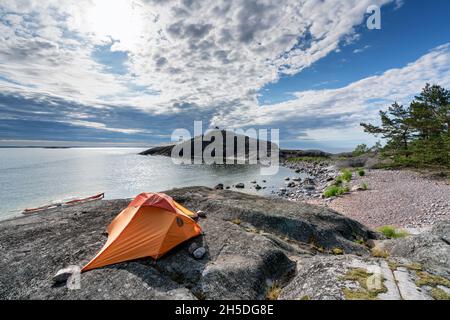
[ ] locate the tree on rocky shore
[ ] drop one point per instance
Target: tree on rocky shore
(417, 134)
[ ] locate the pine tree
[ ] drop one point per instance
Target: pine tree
(430, 111)
(430, 116)
(395, 127)
(420, 131)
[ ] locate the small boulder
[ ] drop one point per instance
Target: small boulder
(199, 253)
(287, 179)
(194, 246)
(64, 274)
(201, 214)
(291, 185)
(258, 187)
(253, 182)
(219, 186)
(240, 186)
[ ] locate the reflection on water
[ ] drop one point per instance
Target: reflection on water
(33, 177)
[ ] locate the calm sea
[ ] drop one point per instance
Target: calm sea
(32, 177)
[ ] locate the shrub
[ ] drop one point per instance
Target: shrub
(334, 191)
(391, 232)
(361, 173)
(364, 186)
(346, 175)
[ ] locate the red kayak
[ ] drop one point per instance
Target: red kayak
(99, 196)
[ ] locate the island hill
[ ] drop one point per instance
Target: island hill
(253, 147)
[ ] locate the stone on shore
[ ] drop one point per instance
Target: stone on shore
(194, 246)
(201, 214)
(62, 275)
(291, 184)
(199, 253)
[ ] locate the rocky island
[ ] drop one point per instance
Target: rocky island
(242, 147)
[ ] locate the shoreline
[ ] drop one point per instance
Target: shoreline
(402, 198)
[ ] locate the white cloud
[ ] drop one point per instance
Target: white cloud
(186, 55)
(339, 111)
(361, 50)
(102, 126)
(191, 52)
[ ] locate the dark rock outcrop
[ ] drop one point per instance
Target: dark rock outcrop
(159, 151)
(250, 242)
(253, 147)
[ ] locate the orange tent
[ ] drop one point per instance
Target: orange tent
(151, 225)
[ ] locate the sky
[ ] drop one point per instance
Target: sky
(129, 72)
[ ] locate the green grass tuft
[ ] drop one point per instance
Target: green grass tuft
(439, 294)
(337, 251)
(361, 276)
(338, 181)
(391, 232)
(426, 279)
(378, 253)
(347, 175)
(273, 292)
(414, 266)
(236, 221)
(393, 265)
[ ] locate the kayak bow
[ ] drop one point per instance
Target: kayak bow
(99, 196)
